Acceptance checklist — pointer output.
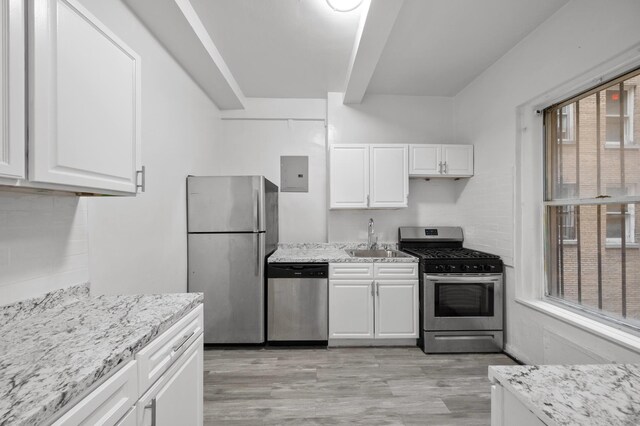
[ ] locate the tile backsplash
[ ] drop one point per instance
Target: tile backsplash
(43, 244)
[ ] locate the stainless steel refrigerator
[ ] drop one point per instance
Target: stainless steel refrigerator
(232, 228)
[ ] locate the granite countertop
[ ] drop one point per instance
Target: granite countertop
(54, 348)
(331, 253)
(607, 394)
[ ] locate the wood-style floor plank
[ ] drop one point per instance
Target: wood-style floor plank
(346, 386)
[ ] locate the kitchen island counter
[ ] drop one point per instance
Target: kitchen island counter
(55, 348)
(582, 395)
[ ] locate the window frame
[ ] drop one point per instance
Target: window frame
(551, 140)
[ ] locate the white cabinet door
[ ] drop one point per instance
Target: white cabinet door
(177, 397)
(180, 401)
(389, 186)
(457, 160)
(84, 116)
(351, 309)
(349, 176)
(12, 89)
(396, 309)
(425, 160)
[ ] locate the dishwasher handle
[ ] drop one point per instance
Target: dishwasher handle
(298, 270)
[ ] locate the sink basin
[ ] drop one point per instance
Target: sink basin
(376, 253)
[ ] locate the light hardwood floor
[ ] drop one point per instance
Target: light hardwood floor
(365, 386)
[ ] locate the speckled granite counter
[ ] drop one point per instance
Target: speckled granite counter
(330, 253)
(607, 394)
(54, 348)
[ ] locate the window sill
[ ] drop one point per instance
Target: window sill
(607, 332)
(619, 246)
(616, 145)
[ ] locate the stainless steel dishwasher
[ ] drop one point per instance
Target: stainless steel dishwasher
(297, 302)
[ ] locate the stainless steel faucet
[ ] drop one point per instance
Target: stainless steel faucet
(372, 240)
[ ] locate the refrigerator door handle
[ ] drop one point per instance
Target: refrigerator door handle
(258, 252)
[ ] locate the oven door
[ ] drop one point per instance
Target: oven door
(463, 302)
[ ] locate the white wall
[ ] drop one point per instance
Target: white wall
(251, 143)
(582, 35)
(395, 119)
(138, 245)
(43, 244)
(121, 244)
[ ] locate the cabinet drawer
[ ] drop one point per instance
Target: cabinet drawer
(108, 403)
(396, 270)
(162, 352)
(346, 271)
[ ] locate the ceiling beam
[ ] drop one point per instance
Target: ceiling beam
(178, 27)
(376, 22)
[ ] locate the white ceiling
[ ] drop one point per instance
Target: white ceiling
(301, 48)
(282, 48)
(437, 47)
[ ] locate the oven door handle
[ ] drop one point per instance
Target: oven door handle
(464, 279)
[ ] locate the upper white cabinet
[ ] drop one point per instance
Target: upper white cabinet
(12, 89)
(441, 160)
(349, 176)
(368, 176)
(84, 89)
(389, 186)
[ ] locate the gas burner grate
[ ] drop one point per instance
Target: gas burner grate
(451, 253)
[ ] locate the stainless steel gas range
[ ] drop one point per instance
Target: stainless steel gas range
(461, 291)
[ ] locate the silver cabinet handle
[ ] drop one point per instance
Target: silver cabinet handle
(440, 167)
(184, 339)
(368, 203)
(377, 289)
(142, 186)
(152, 407)
(446, 168)
(372, 290)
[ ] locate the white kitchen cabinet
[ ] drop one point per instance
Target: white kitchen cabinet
(12, 89)
(457, 160)
(177, 397)
(453, 161)
(162, 386)
(84, 113)
(351, 309)
(424, 160)
(365, 176)
(506, 409)
(396, 309)
(389, 176)
(384, 306)
(108, 403)
(349, 176)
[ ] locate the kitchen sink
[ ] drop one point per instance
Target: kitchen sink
(376, 253)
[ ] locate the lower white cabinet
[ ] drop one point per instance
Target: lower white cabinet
(351, 309)
(376, 308)
(160, 387)
(396, 309)
(507, 410)
(108, 403)
(176, 398)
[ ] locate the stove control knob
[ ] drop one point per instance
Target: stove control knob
(464, 268)
(487, 267)
(439, 268)
(447, 268)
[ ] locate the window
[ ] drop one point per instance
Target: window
(566, 123)
(620, 218)
(592, 255)
(614, 118)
